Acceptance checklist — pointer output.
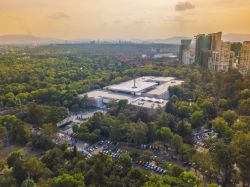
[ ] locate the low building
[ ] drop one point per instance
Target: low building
(146, 102)
(164, 55)
(148, 92)
(133, 87)
(99, 98)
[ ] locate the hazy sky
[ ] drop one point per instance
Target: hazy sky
(123, 19)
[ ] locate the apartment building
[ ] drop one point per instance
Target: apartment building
(244, 62)
(221, 59)
(186, 55)
(205, 46)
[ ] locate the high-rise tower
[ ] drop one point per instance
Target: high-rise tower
(185, 54)
(244, 62)
(205, 44)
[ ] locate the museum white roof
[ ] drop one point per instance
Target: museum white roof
(133, 86)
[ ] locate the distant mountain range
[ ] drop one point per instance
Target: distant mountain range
(27, 40)
(236, 37)
(173, 40)
(35, 40)
(226, 37)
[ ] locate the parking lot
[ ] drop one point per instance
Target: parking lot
(151, 166)
(107, 147)
(200, 136)
(115, 150)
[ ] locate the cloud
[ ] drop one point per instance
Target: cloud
(59, 15)
(117, 21)
(182, 6)
(184, 19)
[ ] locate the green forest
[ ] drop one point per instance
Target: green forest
(37, 90)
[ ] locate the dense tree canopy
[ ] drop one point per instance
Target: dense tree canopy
(40, 85)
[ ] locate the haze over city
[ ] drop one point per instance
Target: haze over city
(123, 19)
(124, 93)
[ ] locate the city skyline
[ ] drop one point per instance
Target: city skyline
(122, 19)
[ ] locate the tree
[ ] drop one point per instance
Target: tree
(85, 101)
(174, 169)
(10, 99)
(183, 110)
(186, 152)
(242, 124)
(36, 169)
(144, 115)
(213, 185)
(154, 181)
(3, 133)
(19, 172)
(17, 131)
(241, 150)
(164, 134)
(177, 142)
(166, 120)
(96, 173)
(56, 114)
(221, 126)
(121, 105)
(230, 116)
(2, 164)
(37, 114)
(146, 155)
(209, 109)
(184, 130)
(41, 114)
(48, 130)
(223, 103)
(229, 85)
(28, 183)
(197, 119)
(223, 159)
(14, 158)
(188, 179)
(7, 180)
(151, 136)
(177, 91)
(66, 180)
(53, 159)
(136, 177)
(40, 141)
(126, 162)
(244, 107)
(137, 132)
(171, 106)
(204, 163)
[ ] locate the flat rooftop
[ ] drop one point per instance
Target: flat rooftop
(144, 102)
(141, 84)
(164, 87)
(155, 87)
(150, 103)
(107, 94)
(158, 79)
